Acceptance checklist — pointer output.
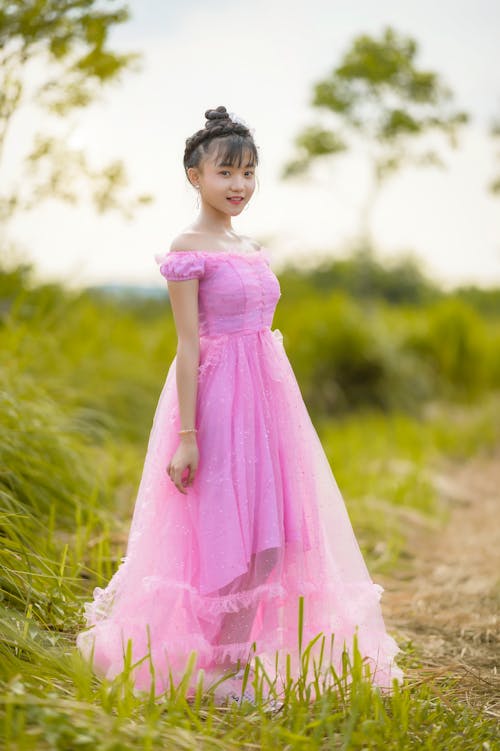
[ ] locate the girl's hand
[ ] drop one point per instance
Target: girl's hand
(186, 455)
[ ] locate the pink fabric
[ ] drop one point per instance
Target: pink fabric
(220, 570)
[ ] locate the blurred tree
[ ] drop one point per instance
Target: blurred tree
(494, 185)
(69, 38)
(378, 94)
(363, 277)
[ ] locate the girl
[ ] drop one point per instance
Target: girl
(239, 526)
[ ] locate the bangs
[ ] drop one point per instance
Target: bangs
(234, 149)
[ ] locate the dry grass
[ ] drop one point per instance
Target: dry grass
(446, 598)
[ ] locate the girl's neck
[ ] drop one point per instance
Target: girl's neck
(218, 232)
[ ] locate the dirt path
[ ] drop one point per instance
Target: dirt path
(447, 599)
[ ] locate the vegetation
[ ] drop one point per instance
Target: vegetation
(79, 380)
(378, 98)
(361, 334)
(69, 41)
(397, 376)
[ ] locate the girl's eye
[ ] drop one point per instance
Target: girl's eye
(223, 172)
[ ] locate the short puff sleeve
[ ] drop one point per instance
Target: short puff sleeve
(180, 265)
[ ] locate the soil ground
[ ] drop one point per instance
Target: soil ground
(445, 600)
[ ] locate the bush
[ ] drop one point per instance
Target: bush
(454, 341)
(346, 356)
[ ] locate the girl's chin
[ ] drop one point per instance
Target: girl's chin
(232, 208)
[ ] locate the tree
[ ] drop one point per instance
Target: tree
(379, 95)
(69, 37)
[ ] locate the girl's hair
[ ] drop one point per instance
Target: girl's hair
(232, 139)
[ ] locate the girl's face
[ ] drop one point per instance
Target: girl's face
(220, 183)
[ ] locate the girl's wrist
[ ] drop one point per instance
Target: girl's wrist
(187, 434)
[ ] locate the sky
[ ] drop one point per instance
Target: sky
(261, 60)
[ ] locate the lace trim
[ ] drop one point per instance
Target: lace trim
(361, 597)
(101, 606)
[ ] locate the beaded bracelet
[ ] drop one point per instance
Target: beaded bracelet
(188, 430)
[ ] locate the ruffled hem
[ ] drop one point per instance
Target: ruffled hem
(361, 597)
(206, 605)
(180, 266)
(112, 631)
(272, 653)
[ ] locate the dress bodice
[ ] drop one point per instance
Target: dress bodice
(237, 293)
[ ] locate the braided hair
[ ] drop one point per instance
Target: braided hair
(232, 140)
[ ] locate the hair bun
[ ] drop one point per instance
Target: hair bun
(219, 126)
(217, 114)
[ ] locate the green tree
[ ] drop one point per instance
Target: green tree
(63, 43)
(378, 95)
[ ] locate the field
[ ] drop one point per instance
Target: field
(80, 376)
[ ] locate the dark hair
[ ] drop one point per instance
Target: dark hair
(231, 140)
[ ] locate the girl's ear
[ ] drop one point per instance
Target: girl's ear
(193, 176)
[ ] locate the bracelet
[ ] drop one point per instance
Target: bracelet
(188, 430)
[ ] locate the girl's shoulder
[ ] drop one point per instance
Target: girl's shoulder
(253, 244)
(187, 241)
(182, 261)
(189, 252)
(202, 242)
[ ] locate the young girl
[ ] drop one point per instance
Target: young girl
(239, 526)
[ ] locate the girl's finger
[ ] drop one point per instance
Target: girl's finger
(176, 477)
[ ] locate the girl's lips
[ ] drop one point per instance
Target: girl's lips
(235, 200)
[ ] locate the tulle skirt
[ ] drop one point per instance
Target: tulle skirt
(262, 534)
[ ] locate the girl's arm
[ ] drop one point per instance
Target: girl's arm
(184, 302)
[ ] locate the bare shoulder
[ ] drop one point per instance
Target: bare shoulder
(196, 240)
(251, 242)
(186, 241)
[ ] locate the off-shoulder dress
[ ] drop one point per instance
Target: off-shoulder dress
(262, 532)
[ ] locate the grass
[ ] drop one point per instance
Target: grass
(61, 537)
(76, 401)
(388, 467)
(74, 712)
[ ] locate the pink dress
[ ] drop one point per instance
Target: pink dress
(220, 571)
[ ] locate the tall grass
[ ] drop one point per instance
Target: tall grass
(79, 380)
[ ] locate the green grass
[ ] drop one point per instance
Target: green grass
(60, 539)
(78, 387)
(73, 712)
(387, 466)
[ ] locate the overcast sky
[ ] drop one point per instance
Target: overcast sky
(261, 60)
